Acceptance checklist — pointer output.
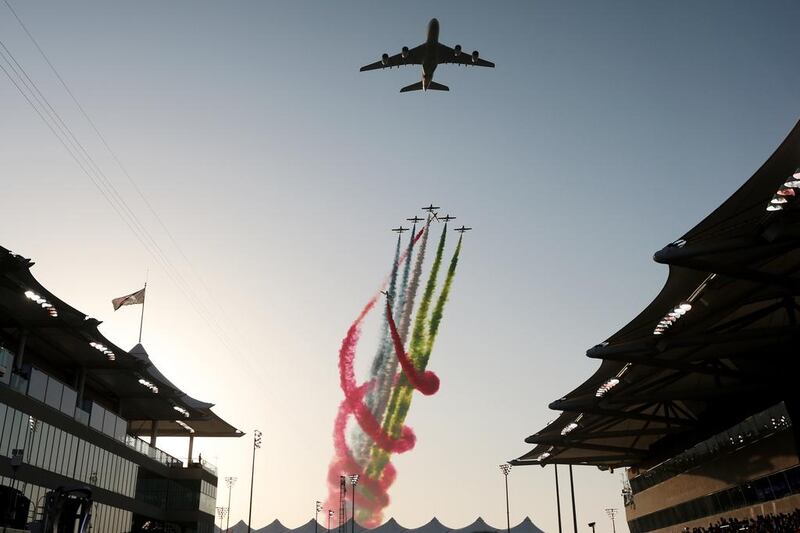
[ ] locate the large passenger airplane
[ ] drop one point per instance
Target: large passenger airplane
(430, 54)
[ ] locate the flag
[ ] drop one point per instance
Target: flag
(132, 299)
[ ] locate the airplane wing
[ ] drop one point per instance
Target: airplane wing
(448, 55)
(414, 57)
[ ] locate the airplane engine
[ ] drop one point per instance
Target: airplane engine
(475, 56)
(457, 50)
(385, 59)
(404, 52)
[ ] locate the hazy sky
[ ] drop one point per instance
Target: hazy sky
(606, 131)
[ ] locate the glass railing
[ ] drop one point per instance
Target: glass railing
(750, 430)
(152, 452)
(47, 389)
(200, 462)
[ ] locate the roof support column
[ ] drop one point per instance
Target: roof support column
(20, 356)
(793, 407)
(191, 447)
(572, 492)
(153, 432)
(80, 385)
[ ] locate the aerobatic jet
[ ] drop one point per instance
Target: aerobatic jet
(462, 229)
(431, 208)
(401, 229)
(448, 218)
(415, 220)
(429, 54)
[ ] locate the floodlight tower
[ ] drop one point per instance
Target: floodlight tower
(505, 468)
(256, 446)
(354, 482)
(230, 481)
(612, 513)
(330, 515)
(342, 504)
(316, 515)
(221, 512)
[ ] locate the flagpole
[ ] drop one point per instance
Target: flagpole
(141, 320)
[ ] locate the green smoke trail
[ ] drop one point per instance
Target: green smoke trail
(422, 340)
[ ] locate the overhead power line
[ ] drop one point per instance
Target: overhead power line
(41, 105)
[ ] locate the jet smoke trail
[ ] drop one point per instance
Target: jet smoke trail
(343, 461)
(426, 382)
(361, 440)
(400, 401)
(405, 320)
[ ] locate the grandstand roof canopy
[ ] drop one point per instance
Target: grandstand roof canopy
(66, 340)
(716, 345)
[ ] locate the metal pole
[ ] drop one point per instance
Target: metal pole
(572, 491)
(229, 481)
(353, 525)
(316, 516)
(141, 320)
(508, 513)
(558, 500)
(256, 444)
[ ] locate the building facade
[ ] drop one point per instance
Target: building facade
(76, 410)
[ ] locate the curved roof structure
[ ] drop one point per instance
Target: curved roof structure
(715, 346)
(66, 339)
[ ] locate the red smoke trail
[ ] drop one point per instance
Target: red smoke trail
(426, 382)
(373, 491)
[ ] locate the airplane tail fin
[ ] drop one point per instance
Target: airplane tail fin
(413, 87)
(433, 86)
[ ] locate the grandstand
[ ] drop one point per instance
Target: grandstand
(696, 396)
(78, 411)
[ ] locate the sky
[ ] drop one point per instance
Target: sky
(606, 131)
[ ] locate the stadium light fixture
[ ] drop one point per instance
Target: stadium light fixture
(672, 316)
(105, 350)
(41, 301)
(185, 426)
(181, 410)
(777, 199)
(150, 385)
(353, 482)
(607, 386)
(786, 192)
(772, 207)
(572, 426)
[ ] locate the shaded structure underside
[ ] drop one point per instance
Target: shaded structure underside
(668, 381)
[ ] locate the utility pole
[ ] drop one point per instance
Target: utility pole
(611, 512)
(316, 516)
(330, 515)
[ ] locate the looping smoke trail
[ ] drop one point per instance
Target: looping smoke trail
(376, 488)
(426, 382)
(403, 392)
(361, 440)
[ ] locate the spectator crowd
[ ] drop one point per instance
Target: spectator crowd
(779, 523)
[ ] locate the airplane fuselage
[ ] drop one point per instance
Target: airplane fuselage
(431, 59)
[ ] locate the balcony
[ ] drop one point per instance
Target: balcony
(63, 398)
